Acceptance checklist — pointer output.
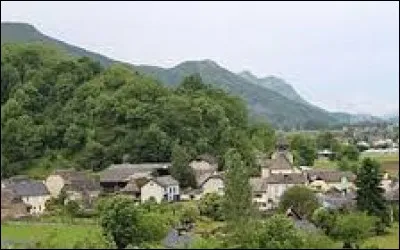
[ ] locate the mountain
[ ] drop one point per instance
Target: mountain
(275, 84)
(264, 102)
(25, 33)
(271, 98)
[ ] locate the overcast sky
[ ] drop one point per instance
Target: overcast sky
(338, 55)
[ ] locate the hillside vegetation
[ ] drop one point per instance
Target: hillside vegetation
(270, 98)
(62, 111)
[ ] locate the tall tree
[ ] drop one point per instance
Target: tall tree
(237, 196)
(180, 169)
(369, 192)
(301, 199)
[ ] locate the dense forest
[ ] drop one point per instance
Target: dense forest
(59, 111)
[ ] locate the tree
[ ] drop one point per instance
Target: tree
(317, 241)
(180, 169)
(211, 206)
(353, 228)
(189, 214)
(370, 194)
(350, 152)
(345, 165)
(119, 219)
(237, 195)
(279, 232)
(324, 219)
(72, 208)
(305, 150)
(301, 199)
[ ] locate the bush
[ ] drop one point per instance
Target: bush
(211, 206)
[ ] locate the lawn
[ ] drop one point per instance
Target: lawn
(327, 164)
(389, 162)
(63, 235)
(389, 241)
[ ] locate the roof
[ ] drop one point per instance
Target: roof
(330, 175)
(122, 172)
(28, 188)
(292, 178)
(174, 240)
(77, 181)
(258, 184)
(334, 201)
(280, 162)
(300, 222)
(131, 187)
(201, 179)
(166, 181)
(8, 198)
(208, 158)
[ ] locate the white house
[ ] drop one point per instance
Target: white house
(160, 188)
(213, 183)
(31, 192)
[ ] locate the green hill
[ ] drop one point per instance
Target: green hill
(268, 98)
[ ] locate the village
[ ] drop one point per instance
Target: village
(22, 196)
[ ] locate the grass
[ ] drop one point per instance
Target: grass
(388, 241)
(389, 162)
(65, 235)
(325, 164)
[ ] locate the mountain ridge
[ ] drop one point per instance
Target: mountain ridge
(269, 97)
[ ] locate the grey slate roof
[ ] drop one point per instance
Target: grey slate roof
(28, 188)
(258, 184)
(330, 175)
(293, 178)
(174, 240)
(280, 162)
(122, 172)
(166, 181)
(131, 187)
(77, 181)
(201, 179)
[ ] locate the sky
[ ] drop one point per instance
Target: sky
(341, 56)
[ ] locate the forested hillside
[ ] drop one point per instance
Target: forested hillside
(61, 111)
(269, 98)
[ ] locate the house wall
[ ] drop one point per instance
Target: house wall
(265, 172)
(282, 171)
(54, 184)
(213, 185)
(14, 211)
(152, 189)
(275, 192)
(171, 192)
(261, 200)
(38, 203)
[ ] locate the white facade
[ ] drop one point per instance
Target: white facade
(213, 185)
(153, 189)
(54, 184)
(37, 203)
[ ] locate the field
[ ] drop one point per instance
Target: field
(324, 164)
(62, 235)
(389, 241)
(389, 162)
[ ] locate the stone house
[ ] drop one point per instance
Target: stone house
(324, 179)
(160, 188)
(31, 192)
(116, 177)
(78, 186)
(212, 183)
(12, 206)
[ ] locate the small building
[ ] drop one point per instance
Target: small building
(324, 179)
(212, 183)
(299, 222)
(160, 188)
(31, 192)
(325, 154)
(335, 198)
(78, 186)
(116, 177)
(12, 206)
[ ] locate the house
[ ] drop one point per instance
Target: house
(299, 222)
(117, 176)
(76, 185)
(12, 206)
(204, 164)
(325, 154)
(259, 192)
(160, 188)
(324, 179)
(335, 198)
(392, 194)
(31, 192)
(212, 183)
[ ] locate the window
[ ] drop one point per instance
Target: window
(258, 195)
